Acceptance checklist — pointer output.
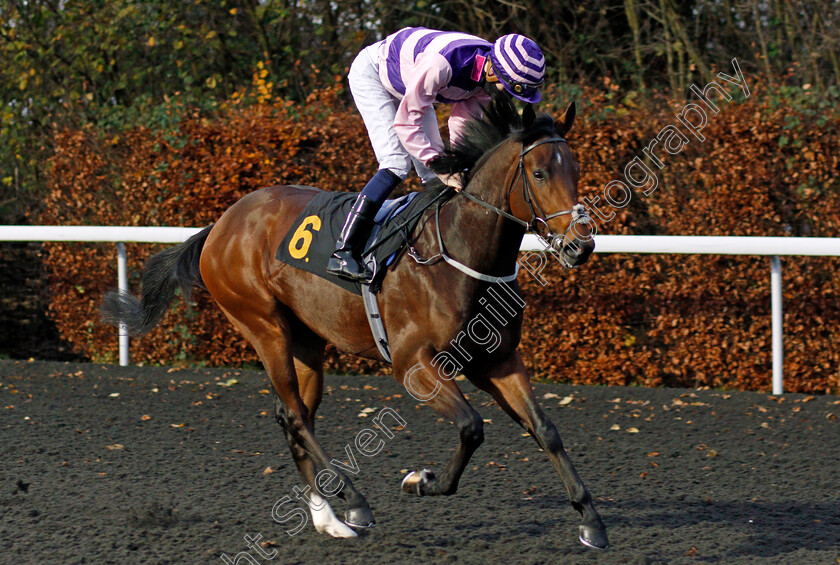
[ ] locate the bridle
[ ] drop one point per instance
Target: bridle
(538, 216)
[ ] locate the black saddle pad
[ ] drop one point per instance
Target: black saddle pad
(310, 241)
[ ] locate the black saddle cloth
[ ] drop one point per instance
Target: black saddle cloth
(311, 240)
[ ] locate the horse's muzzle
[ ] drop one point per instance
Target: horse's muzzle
(575, 252)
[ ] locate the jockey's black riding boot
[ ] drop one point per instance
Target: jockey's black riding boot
(345, 261)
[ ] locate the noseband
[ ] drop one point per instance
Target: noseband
(538, 216)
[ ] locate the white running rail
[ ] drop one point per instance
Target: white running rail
(659, 244)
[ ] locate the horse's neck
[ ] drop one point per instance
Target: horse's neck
(486, 241)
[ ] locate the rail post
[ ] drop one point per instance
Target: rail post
(777, 323)
(122, 285)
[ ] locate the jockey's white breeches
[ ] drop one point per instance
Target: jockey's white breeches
(378, 108)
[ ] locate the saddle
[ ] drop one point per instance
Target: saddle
(311, 239)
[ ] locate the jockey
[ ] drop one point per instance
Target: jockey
(395, 83)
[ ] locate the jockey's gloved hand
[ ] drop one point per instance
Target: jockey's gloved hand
(453, 180)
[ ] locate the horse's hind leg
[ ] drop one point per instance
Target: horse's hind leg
(510, 386)
(323, 517)
(267, 328)
(308, 360)
(445, 398)
(308, 363)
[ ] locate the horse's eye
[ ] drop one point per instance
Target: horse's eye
(539, 175)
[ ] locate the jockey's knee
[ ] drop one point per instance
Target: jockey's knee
(381, 185)
(399, 165)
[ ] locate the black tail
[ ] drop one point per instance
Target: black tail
(165, 272)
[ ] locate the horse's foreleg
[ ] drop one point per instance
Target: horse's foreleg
(445, 398)
(510, 386)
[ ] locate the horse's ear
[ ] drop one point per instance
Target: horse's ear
(529, 116)
(567, 119)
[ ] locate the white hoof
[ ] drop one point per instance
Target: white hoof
(325, 520)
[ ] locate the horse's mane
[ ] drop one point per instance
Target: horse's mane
(500, 122)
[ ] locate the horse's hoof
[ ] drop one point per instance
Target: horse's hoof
(325, 521)
(414, 482)
(359, 518)
(596, 538)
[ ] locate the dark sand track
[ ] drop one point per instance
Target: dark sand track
(102, 464)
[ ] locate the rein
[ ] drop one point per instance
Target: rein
(414, 254)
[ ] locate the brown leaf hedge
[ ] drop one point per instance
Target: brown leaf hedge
(766, 168)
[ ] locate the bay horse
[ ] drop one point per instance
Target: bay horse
(515, 168)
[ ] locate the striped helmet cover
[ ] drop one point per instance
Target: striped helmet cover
(520, 65)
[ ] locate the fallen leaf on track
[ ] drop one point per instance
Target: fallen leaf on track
(115, 446)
